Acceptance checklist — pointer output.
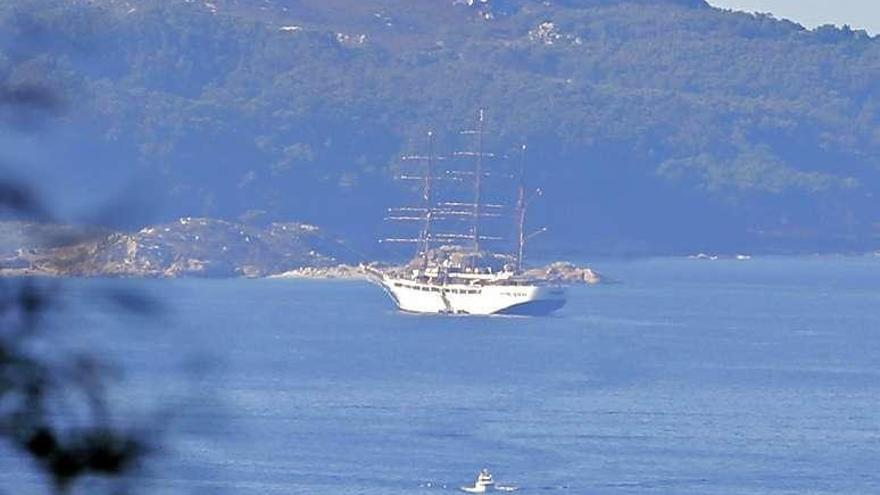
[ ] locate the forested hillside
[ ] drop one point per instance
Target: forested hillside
(652, 125)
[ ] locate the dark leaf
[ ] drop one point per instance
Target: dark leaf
(17, 198)
(42, 443)
(134, 302)
(66, 466)
(30, 96)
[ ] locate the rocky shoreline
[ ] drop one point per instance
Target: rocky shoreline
(337, 272)
(188, 247)
(211, 248)
(566, 273)
(560, 272)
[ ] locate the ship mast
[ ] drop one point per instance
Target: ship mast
(428, 197)
(424, 213)
(477, 208)
(522, 205)
(521, 212)
(478, 182)
(430, 211)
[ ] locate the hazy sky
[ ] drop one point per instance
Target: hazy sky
(860, 14)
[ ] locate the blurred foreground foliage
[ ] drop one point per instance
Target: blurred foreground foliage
(41, 387)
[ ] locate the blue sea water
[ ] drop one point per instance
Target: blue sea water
(687, 377)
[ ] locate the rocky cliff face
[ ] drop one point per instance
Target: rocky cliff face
(189, 247)
(566, 273)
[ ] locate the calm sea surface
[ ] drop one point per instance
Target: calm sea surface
(688, 377)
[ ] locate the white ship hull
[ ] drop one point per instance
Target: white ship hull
(461, 299)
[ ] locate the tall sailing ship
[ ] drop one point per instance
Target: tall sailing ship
(452, 274)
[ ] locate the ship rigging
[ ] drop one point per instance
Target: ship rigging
(465, 282)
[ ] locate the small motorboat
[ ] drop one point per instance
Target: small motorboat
(483, 482)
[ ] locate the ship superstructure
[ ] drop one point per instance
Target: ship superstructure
(452, 273)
